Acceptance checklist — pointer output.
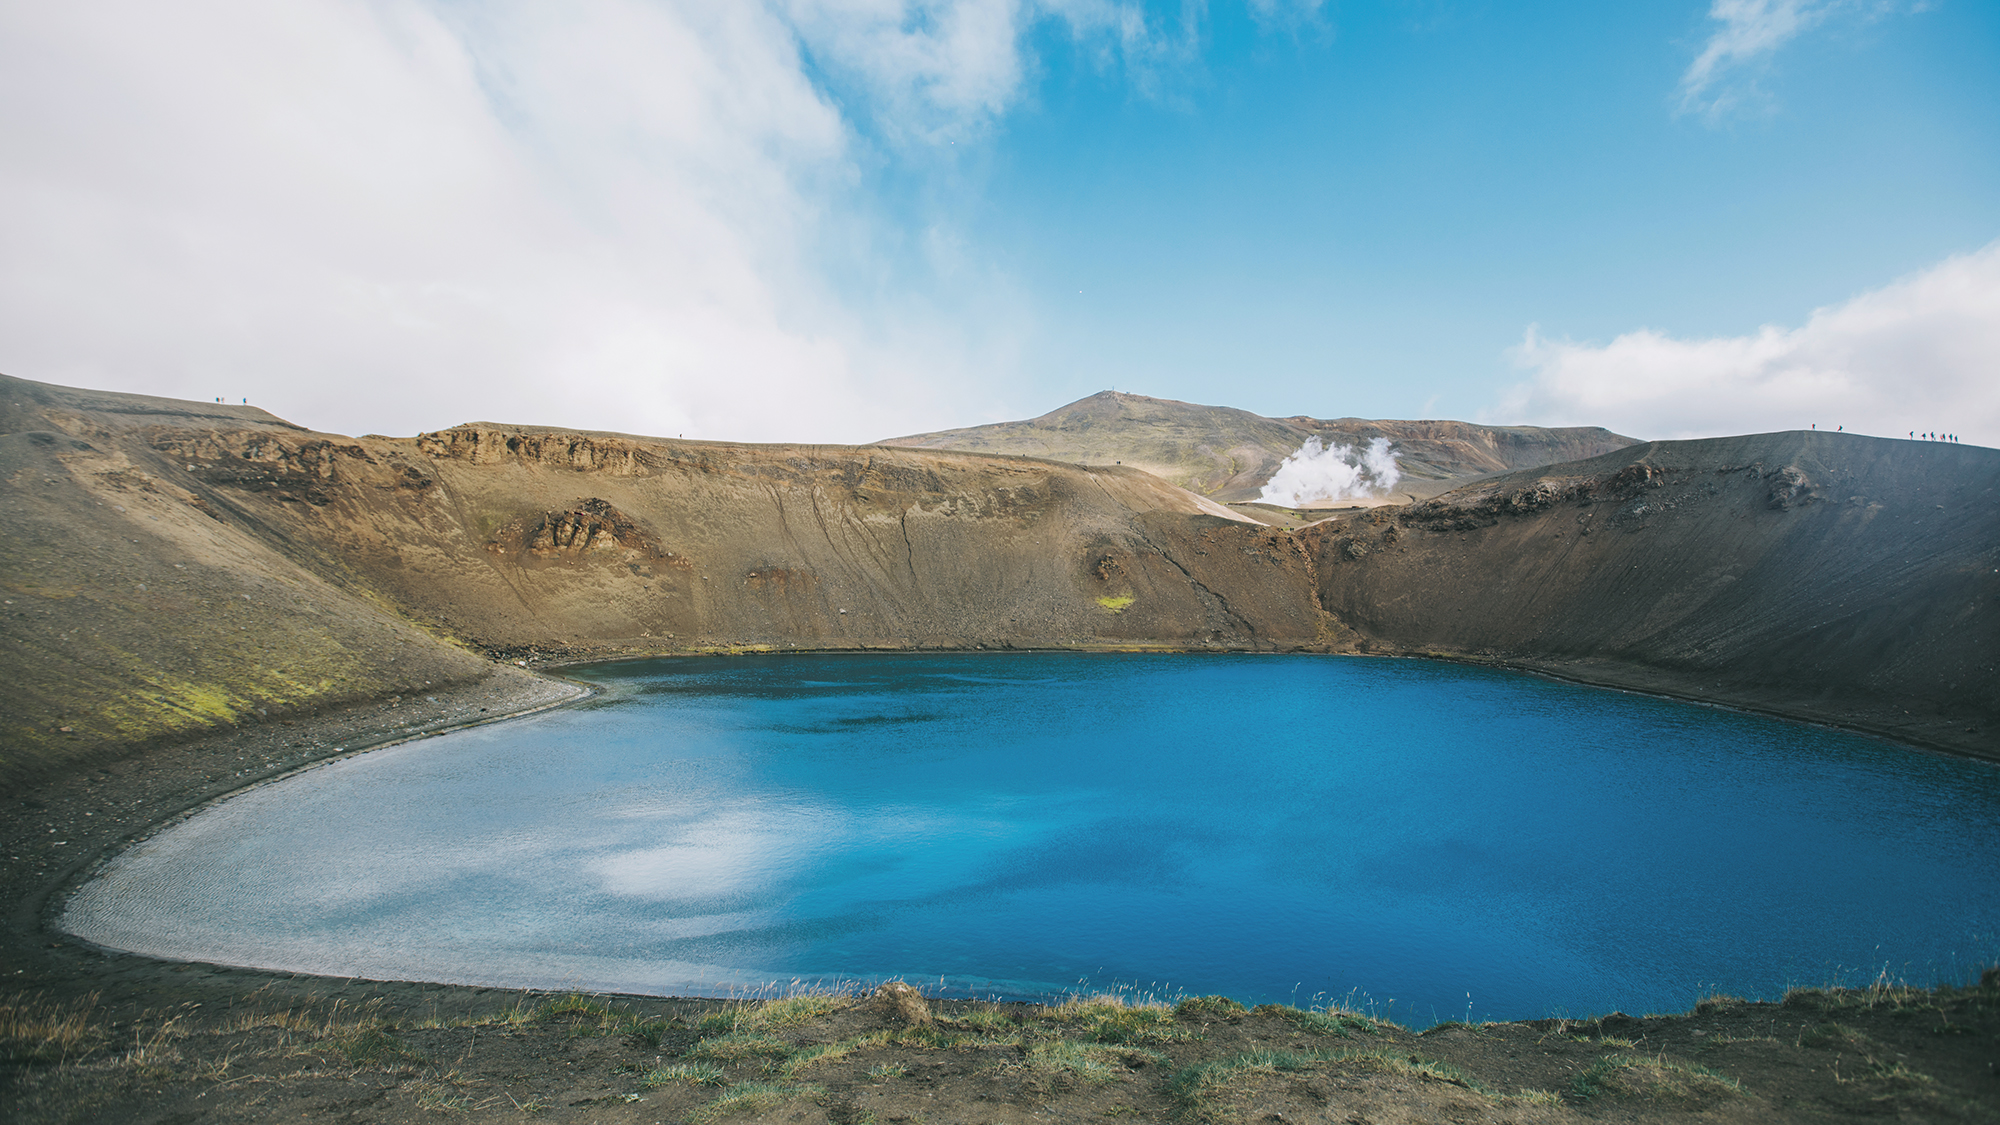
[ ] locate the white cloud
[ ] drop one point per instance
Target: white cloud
(400, 214)
(1752, 30)
(1922, 353)
(403, 214)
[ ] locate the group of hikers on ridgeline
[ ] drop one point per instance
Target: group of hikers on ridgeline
(1926, 435)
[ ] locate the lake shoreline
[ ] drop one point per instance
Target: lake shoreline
(1930, 734)
(99, 809)
(63, 827)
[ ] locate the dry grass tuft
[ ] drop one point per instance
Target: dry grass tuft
(751, 1097)
(1831, 1034)
(831, 1052)
(34, 1029)
(1899, 1077)
(1205, 1089)
(1656, 1079)
(1718, 1002)
(375, 1046)
(1882, 992)
(798, 1010)
(897, 1000)
(1210, 1007)
(736, 1046)
(286, 1020)
(685, 1074)
(153, 1055)
(1110, 1019)
(1090, 1062)
(986, 1020)
(1339, 1022)
(441, 1097)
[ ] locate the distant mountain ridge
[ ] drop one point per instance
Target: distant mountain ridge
(1229, 454)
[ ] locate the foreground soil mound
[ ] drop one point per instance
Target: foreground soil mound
(1228, 454)
(1821, 1055)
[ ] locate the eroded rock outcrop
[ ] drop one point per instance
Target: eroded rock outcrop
(482, 443)
(569, 534)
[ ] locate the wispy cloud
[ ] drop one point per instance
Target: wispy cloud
(924, 66)
(1917, 354)
(1287, 13)
(1722, 78)
(932, 70)
(1750, 30)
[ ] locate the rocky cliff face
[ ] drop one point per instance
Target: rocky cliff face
(172, 566)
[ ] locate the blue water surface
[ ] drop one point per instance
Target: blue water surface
(1425, 839)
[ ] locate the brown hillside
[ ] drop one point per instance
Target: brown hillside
(1846, 578)
(174, 566)
(135, 604)
(170, 567)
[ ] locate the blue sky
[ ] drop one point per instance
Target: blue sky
(846, 219)
(1376, 209)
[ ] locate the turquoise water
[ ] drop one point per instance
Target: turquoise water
(1426, 839)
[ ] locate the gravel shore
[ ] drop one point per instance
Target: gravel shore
(59, 829)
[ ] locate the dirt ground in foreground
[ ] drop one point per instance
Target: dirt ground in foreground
(895, 1056)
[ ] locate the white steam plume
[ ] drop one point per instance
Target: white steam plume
(1332, 472)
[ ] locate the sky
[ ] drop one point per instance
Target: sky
(844, 220)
